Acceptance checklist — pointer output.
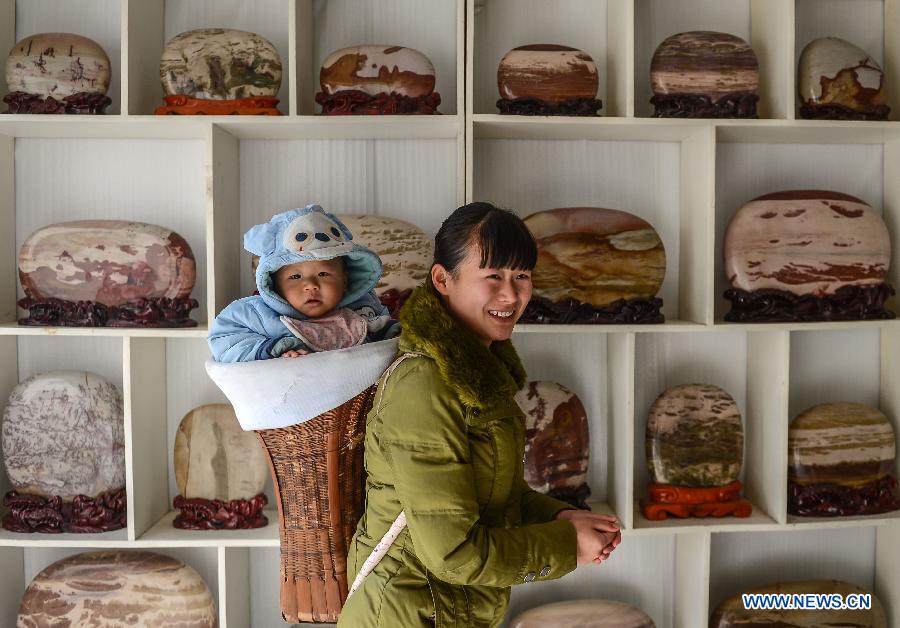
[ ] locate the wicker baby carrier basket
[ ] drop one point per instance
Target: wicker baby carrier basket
(313, 438)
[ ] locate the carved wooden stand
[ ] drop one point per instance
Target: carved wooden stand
(180, 104)
(534, 107)
(53, 515)
(355, 102)
(214, 514)
(684, 501)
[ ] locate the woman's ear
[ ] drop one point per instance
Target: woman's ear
(439, 277)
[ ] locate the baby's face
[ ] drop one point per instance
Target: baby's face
(312, 288)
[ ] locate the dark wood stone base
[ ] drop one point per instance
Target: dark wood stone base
(832, 500)
(90, 103)
(155, 312)
(576, 497)
(535, 107)
(394, 299)
(849, 303)
(179, 104)
(574, 312)
(354, 102)
(686, 501)
(51, 515)
(213, 514)
(736, 105)
(816, 111)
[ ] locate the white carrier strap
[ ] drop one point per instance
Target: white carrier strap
(399, 523)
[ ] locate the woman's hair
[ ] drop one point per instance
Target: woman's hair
(502, 238)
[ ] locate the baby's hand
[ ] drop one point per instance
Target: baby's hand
(294, 353)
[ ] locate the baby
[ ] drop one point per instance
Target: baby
(316, 292)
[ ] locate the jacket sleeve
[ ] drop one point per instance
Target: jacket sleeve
(538, 507)
(423, 437)
(238, 335)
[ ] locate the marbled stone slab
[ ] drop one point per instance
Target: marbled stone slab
(406, 252)
(806, 242)
(216, 459)
(595, 255)
(106, 261)
(378, 69)
(833, 71)
(704, 63)
(220, 64)
(57, 65)
(118, 589)
(848, 444)
(557, 443)
(695, 437)
(732, 614)
(63, 434)
(583, 614)
(547, 72)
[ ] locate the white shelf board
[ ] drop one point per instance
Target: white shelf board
(814, 326)
(497, 126)
(243, 127)
(162, 534)
(757, 521)
(14, 329)
(116, 538)
(822, 523)
(668, 326)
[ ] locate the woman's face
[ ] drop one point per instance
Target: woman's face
(488, 300)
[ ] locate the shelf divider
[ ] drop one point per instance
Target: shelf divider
(234, 586)
(146, 455)
(692, 552)
(619, 59)
(143, 38)
(887, 571)
(302, 79)
(223, 219)
(697, 232)
(620, 453)
(892, 55)
(772, 38)
(8, 266)
(7, 33)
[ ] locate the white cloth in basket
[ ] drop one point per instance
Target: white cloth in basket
(268, 394)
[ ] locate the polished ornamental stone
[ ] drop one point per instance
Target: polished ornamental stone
(548, 79)
(215, 459)
(377, 79)
(839, 81)
(557, 444)
(583, 614)
(63, 435)
(704, 74)
(694, 437)
(220, 64)
(118, 589)
(732, 614)
(595, 265)
(841, 457)
(824, 244)
(107, 272)
(57, 73)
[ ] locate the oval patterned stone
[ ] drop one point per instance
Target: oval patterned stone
(732, 614)
(584, 614)
(704, 63)
(595, 255)
(108, 261)
(57, 65)
(806, 242)
(833, 71)
(378, 69)
(695, 437)
(118, 589)
(63, 434)
(405, 250)
(557, 444)
(220, 64)
(849, 444)
(547, 72)
(215, 459)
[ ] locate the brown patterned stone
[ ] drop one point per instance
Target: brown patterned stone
(377, 69)
(547, 73)
(732, 614)
(557, 445)
(118, 589)
(583, 614)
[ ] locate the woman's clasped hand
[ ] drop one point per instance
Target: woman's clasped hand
(597, 535)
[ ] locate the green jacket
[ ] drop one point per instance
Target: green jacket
(445, 442)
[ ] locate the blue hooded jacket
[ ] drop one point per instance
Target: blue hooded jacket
(251, 328)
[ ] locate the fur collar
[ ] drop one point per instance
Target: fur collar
(480, 377)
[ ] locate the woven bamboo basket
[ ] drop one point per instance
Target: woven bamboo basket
(317, 468)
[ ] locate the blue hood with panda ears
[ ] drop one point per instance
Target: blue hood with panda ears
(302, 235)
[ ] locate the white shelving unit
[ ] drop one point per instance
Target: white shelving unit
(210, 178)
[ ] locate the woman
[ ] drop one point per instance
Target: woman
(445, 444)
